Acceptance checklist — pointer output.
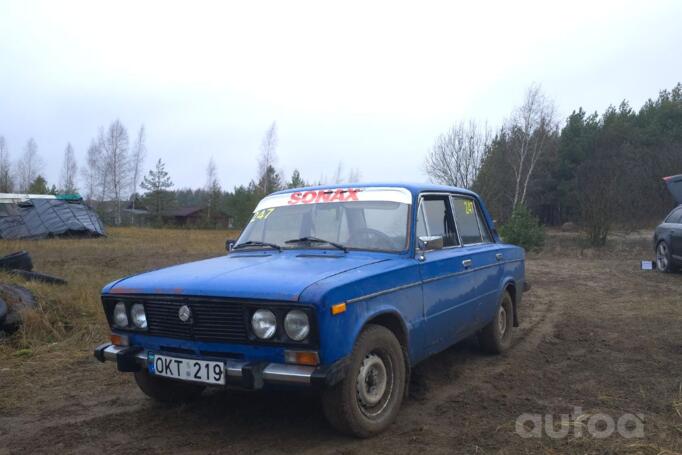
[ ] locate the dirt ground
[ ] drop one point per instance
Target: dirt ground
(597, 333)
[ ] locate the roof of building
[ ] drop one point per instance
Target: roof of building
(183, 211)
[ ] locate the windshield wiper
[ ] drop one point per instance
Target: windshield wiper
(256, 243)
(310, 239)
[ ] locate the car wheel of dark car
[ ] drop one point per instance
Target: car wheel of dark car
(495, 338)
(369, 398)
(663, 258)
(166, 390)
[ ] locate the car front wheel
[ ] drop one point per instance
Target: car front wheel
(663, 257)
(368, 399)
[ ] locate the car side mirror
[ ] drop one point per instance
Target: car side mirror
(229, 244)
(431, 242)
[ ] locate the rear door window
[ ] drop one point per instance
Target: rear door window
(467, 216)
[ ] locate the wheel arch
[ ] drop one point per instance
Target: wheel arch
(392, 320)
(510, 286)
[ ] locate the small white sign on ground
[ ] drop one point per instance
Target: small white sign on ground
(647, 265)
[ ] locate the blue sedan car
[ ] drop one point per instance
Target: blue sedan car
(343, 289)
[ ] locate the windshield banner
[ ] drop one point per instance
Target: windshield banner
(374, 194)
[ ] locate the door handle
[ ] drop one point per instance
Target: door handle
(499, 256)
(466, 263)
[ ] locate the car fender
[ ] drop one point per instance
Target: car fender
(517, 287)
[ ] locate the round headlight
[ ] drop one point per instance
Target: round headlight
(120, 315)
(264, 324)
(296, 325)
(138, 316)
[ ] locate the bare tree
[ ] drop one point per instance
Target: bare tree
(338, 174)
(93, 174)
(213, 189)
(69, 171)
(136, 162)
(354, 175)
(456, 156)
(114, 145)
(29, 165)
(529, 129)
(6, 180)
(268, 157)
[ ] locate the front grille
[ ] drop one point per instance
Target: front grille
(211, 321)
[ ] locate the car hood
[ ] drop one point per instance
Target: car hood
(257, 275)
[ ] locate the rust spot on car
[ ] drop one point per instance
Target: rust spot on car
(124, 290)
(169, 291)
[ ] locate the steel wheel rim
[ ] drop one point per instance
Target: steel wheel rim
(662, 256)
(374, 384)
(502, 320)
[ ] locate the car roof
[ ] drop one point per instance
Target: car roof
(414, 188)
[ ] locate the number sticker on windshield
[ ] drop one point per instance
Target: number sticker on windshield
(469, 207)
(262, 215)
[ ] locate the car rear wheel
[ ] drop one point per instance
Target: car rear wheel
(368, 399)
(496, 337)
(166, 390)
(663, 257)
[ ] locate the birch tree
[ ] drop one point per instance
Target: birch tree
(267, 158)
(6, 180)
(529, 129)
(93, 174)
(69, 171)
(114, 145)
(29, 165)
(456, 156)
(213, 189)
(136, 162)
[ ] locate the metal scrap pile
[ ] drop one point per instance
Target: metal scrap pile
(27, 216)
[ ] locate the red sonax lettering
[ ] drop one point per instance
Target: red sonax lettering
(308, 197)
(295, 198)
(352, 195)
(338, 195)
(323, 196)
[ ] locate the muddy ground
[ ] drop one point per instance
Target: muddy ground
(597, 333)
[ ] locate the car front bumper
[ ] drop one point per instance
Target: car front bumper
(239, 373)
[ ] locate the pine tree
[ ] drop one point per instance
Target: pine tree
(157, 183)
(296, 180)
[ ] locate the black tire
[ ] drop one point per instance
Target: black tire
(166, 390)
(36, 276)
(365, 408)
(496, 337)
(663, 257)
(3, 311)
(20, 260)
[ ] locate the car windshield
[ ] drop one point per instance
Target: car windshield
(365, 219)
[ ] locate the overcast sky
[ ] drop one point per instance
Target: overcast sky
(370, 84)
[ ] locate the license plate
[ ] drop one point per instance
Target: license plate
(187, 369)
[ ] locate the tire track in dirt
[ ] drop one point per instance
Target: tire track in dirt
(539, 314)
(437, 382)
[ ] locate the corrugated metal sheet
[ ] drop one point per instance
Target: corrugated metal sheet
(41, 218)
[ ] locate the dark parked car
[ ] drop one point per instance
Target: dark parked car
(668, 235)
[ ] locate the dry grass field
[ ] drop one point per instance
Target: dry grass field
(70, 317)
(597, 333)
